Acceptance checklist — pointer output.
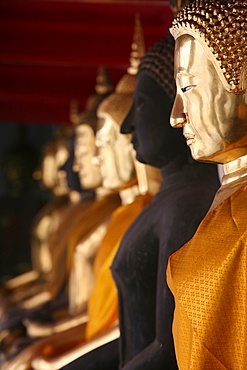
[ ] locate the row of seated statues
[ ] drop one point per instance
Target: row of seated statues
(139, 259)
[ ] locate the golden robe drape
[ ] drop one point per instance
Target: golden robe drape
(103, 303)
(208, 277)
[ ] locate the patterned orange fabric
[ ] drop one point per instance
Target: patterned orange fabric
(208, 279)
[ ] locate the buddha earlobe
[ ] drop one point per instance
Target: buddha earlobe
(103, 88)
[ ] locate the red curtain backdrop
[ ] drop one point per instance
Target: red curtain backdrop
(50, 51)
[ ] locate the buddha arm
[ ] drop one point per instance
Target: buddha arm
(57, 362)
(24, 287)
(36, 329)
(81, 280)
(21, 280)
(32, 293)
(59, 349)
(51, 346)
(80, 287)
(40, 234)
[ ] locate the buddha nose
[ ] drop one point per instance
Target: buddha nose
(178, 117)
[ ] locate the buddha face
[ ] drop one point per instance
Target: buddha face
(62, 156)
(152, 137)
(49, 170)
(214, 120)
(52, 177)
(84, 164)
(114, 153)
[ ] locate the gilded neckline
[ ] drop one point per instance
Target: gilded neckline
(235, 171)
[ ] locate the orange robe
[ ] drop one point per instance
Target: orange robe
(208, 278)
(103, 302)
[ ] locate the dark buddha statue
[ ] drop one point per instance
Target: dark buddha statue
(145, 302)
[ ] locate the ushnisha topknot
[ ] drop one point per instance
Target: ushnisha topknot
(221, 28)
(118, 103)
(158, 63)
(103, 88)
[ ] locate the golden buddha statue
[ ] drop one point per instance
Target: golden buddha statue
(49, 238)
(207, 275)
(84, 246)
(89, 217)
(87, 119)
(88, 231)
(30, 291)
(55, 154)
(26, 293)
(53, 178)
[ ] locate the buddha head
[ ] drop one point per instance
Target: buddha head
(53, 156)
(154, 141)
(71, 177)
(115, 152)
(211, 76)
(85, 128)
(55, 153)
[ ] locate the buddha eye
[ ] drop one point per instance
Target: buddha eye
(187, 88)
